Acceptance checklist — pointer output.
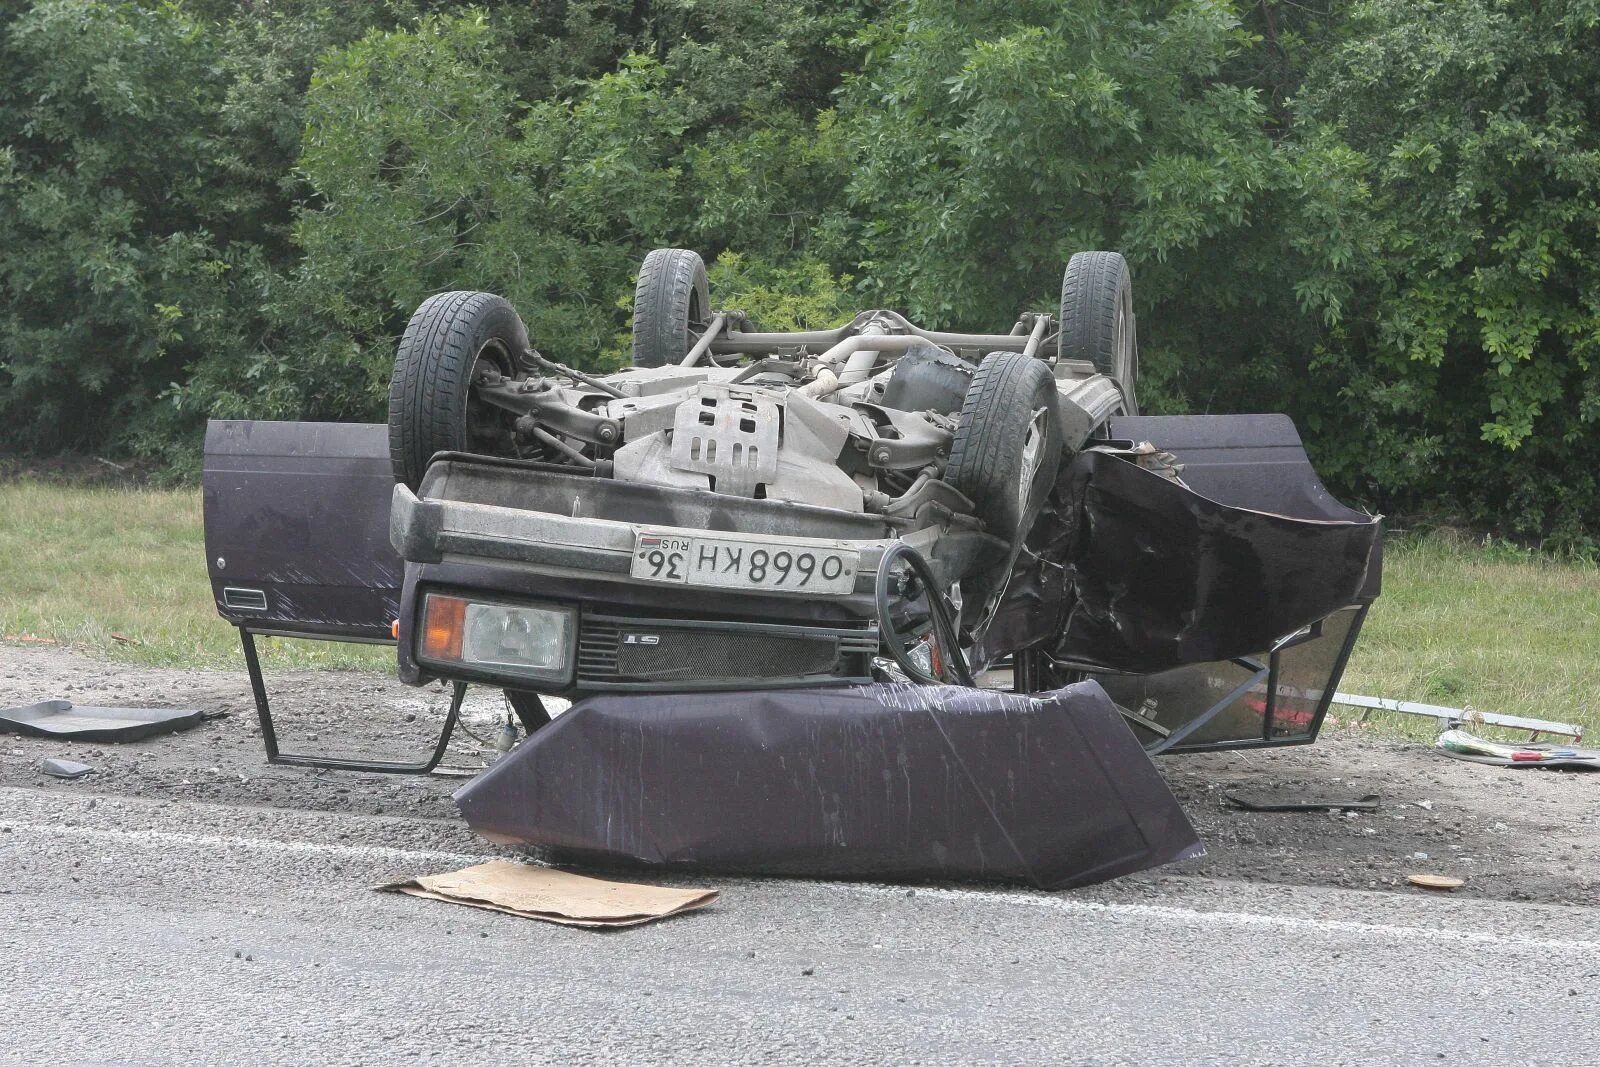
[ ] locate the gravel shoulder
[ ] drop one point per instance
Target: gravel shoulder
(1518, 835)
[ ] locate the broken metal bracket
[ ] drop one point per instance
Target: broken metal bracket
(269, 733)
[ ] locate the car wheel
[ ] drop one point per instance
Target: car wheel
(1007, 446)
(671, 306)
(529, 708)
(1097, 321)
(451, 340)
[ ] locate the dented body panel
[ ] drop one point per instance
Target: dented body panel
(879, 781)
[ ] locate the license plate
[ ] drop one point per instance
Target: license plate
(744, 563)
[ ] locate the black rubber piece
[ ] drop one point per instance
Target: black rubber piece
(1094, 288)
(433, 368)
(670, 306)
(986, 454)
(529, 708)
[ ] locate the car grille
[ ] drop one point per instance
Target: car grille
(682, 654)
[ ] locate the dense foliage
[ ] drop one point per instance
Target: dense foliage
(1382, 217)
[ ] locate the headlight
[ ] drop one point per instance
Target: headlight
(532, 641)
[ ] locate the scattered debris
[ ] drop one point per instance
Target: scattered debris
(125, 639)
(1436, 881)
(64, 768)
(554, 896)
(63, 719)
(1458, 744)
(1368, 802)
(31, 639)
(1450, 718)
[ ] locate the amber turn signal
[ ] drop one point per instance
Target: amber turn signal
(444, 622)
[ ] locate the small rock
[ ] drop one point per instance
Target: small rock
(808, 971)
(1419, 855)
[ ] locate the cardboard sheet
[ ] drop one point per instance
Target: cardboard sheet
(552, 895)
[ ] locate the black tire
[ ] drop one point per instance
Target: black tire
(1097, 321)
(529, 709)
(671, 306)
(449, 340)
(991, 450)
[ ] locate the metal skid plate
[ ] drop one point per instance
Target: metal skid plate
(730, 434)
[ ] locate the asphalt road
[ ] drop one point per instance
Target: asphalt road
(139, 931)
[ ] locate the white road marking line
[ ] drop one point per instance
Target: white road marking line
(1198, 917)
(224, 841)
(1015, 898)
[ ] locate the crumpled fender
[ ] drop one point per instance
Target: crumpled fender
(1131, 571)
(1159, 575)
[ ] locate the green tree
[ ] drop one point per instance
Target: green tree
(146, 191)
(988, 141)
(1467, 365)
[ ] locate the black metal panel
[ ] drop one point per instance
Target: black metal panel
(880, 781)
(297, 517)
(1158, 575)
(1248, 461)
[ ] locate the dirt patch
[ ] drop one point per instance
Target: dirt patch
(1513, 834)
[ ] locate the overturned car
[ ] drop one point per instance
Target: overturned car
(751, 548)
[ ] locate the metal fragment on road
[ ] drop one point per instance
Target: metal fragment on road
(63, 719)
(64, 768)
(1368, 802)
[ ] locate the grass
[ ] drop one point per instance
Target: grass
(1459, 623)
(122, 573)
(1498, 628)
